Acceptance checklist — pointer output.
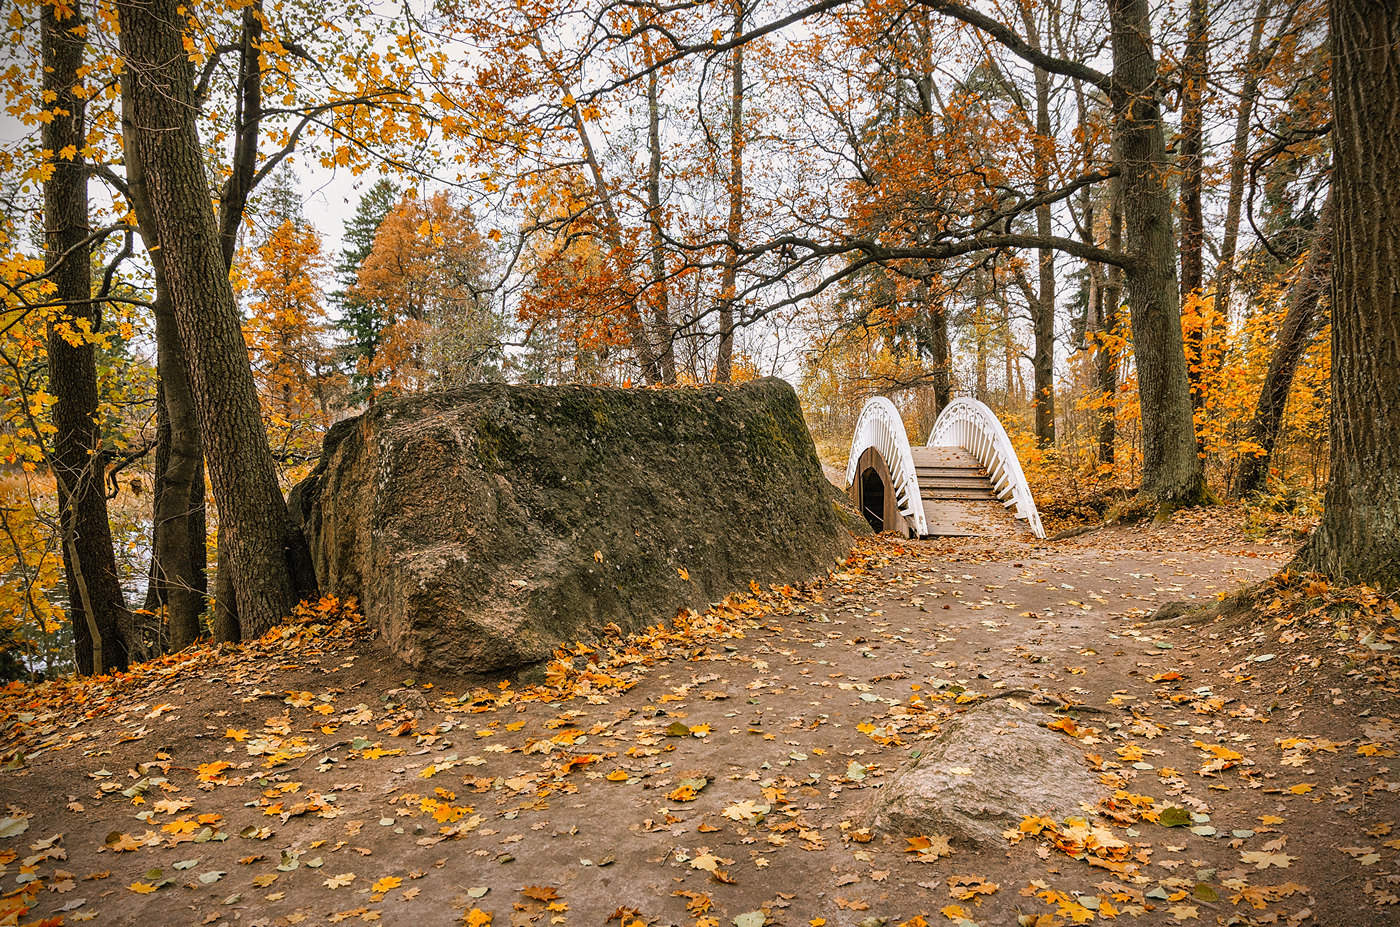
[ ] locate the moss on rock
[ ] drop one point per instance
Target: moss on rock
(484, 527)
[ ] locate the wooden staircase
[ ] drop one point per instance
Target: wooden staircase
(951, 473)
(953, 487)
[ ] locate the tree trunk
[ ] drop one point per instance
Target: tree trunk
(1106, 362)
(177, 580)
(660, 286)
(1008, 344)
(1239, 153)
(101, 621)
(1293, 337)
(979, 331)
(177, 559)
(167, 148)
(642, 348)
(1189, 158)
(1172, 472)
(233, 199)
(724, 361)
(1359, 537)
(1043, 305)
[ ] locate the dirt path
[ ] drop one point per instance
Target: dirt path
(307, 782)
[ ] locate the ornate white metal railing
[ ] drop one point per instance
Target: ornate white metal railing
(880, 427)
(969, 424)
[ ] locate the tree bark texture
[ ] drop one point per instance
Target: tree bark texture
(1358, 539)
(251, 507)
(101, 621)
(1172, 471)
(177, 578)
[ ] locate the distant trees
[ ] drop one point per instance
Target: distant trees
(426, 278)
(287, 332)
(361, 321)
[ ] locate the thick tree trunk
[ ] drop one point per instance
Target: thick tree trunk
(659, 296)
(1172, 472)
(1293, 337)
(724, 361)
(177, 580)
(252, 511)
(101, 621)
(1189, 158)
(1359, 537)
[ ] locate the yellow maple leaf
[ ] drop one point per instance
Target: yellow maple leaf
(386, 884)
(208, 772)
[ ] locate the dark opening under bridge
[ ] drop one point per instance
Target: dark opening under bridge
(964, 476)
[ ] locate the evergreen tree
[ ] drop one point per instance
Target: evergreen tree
(360, 321)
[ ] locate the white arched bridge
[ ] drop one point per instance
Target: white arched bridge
(935, 490)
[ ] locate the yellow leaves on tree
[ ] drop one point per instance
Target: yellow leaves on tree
(286, 333)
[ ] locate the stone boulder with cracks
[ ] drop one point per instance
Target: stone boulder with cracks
(482, 528)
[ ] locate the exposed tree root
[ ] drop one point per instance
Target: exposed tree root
(1179, 614)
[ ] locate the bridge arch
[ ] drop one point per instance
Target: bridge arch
(969, 424)
(881, 463)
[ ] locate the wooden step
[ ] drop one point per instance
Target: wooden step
(949, 471)
(956, 493)
(943, 456)
(982, 487)
(964, 478)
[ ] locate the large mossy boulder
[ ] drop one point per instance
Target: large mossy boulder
(484, 527)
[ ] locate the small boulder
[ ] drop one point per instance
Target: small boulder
(991, 766)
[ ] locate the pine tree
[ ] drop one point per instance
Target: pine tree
(360, 321)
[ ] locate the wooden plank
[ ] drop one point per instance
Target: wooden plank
(959, 518)
(943, 456)
(971, 495)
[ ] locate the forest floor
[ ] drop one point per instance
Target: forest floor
(721, 771)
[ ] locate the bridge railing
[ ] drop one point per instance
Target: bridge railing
(970, 424)
(880, 427)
